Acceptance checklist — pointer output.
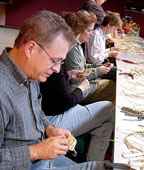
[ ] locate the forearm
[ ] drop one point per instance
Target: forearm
(71, 98)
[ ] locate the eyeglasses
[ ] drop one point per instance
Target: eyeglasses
(56, 61)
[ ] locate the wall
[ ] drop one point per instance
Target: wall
(115, 6)
(2, 15)
(20, 9)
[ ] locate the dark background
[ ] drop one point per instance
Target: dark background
(18, 10)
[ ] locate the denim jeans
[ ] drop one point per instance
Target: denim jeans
(96, 119)
(63, 163)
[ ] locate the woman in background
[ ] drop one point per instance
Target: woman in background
(100, 89)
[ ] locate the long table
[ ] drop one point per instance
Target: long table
(129, 127)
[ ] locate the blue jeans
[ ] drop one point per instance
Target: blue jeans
(63, 163)
(96, 119)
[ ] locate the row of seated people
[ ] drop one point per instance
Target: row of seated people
(81, 96)
(28, 138)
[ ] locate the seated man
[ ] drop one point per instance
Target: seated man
(27, 140)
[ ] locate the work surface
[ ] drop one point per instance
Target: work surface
(129, 128)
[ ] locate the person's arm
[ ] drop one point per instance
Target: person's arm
(57, 96)
(70, 98)
(13, 157)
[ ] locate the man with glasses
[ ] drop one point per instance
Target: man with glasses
(27, 140)
(56, 60)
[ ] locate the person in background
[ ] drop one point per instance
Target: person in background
(95, 6)
(118, 32)
(27, 140)
(63, 109)
(75, 63)
(97, 43)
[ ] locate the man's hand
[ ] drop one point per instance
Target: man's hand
(49, 148)
(53, 131)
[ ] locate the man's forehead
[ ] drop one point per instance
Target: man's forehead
(58, 43)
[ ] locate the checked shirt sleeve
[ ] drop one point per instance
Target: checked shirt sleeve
(11, 158)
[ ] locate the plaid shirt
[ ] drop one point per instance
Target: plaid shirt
(21, 120)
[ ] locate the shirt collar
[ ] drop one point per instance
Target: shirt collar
(78, 42)
(18, 74)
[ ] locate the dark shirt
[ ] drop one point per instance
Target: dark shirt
(21, 120)
(56, 94)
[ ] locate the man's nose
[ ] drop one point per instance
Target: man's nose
(56, 68)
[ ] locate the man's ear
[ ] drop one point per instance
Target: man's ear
(29, 48)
